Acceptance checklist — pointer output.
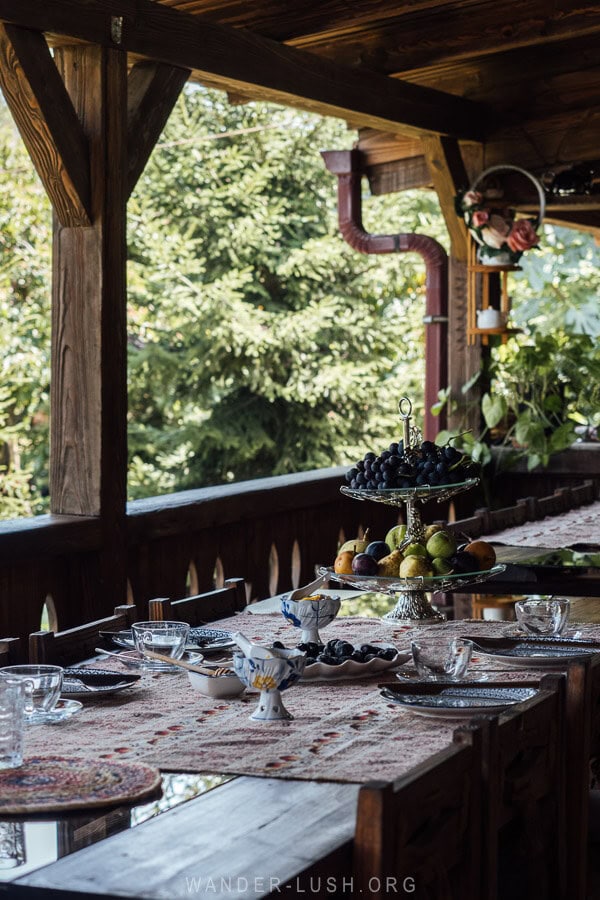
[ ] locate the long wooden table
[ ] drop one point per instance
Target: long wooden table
(251, 836)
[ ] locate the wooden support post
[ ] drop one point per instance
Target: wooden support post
(449, 176)
(89, 365)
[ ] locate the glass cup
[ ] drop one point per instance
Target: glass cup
(439, 660)
(543, 617)
(45, 683)
(13, 698)
(166, 638)
(12, 845)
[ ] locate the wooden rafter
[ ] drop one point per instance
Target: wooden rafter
(47, 121)
(152, 90)
(241, 60)
(420, 39)
(449, 175)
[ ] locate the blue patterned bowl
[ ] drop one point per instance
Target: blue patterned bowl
(270, 677)
(310, 615)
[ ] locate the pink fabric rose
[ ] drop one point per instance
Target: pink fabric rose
(495, 234)
(522, 236)
(471, 198)
(480, 217)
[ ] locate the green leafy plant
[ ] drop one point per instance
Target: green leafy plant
(540, 388)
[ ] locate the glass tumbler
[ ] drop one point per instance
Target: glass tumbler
(13, 697)
(543, 617)
(45, 683)
(166, 638)
(439, 660)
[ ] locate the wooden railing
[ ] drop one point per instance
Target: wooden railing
(271, 531)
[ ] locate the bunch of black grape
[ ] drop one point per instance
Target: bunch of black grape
(396, 468)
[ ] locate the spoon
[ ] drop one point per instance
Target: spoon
(126, 660)
(308, 589)
(182, 664)
(250, 650)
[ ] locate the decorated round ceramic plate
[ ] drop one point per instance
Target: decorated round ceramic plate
(51, 783)
(88, 682)
(200, 638)
(460, 701)
(351, 669)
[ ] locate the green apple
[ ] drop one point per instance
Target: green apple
(430, 530)
(395, 536)
(415, 549)
(441, 566)
(441, 544)
(413, 566)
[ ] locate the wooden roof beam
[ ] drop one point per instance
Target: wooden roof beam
(47, 122)
(244, 62)
(152, 91)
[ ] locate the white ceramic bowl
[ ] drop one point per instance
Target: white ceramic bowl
(218, 686)
(310, 615)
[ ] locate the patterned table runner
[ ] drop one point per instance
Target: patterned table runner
(341, 731)
(581, 525)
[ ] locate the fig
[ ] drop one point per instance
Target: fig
(378, 549)
(364, 564)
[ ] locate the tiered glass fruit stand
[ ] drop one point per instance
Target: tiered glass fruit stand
(412, 603)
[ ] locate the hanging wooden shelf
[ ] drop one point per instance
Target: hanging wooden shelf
(500, 330)
(480, 273)
(479, 267)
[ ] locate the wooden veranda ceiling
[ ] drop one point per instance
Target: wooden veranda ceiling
(531, 70)
(500, 83)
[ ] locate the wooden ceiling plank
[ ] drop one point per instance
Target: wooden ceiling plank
(152, 91)
(425, 38)
(403, 175)
(245, 62)
(313, 20)
(449, 175)
(47, 122)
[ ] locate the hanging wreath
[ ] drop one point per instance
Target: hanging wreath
(502, 236)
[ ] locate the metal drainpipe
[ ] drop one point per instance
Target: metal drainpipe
(347, 165)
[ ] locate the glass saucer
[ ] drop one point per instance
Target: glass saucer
(133, 658)
(514, 630)
(63, 710)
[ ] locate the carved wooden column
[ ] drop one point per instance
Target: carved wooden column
(88, 454)
(449, 175)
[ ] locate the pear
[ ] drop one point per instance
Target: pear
(389, 566)
(414, 566)
(356, 545)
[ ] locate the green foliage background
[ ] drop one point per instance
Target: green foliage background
(259, 342)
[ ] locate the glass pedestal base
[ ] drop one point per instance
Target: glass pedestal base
(413, 608)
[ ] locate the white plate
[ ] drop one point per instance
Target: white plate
(460, 702)
(351, 669)
(63, 710)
